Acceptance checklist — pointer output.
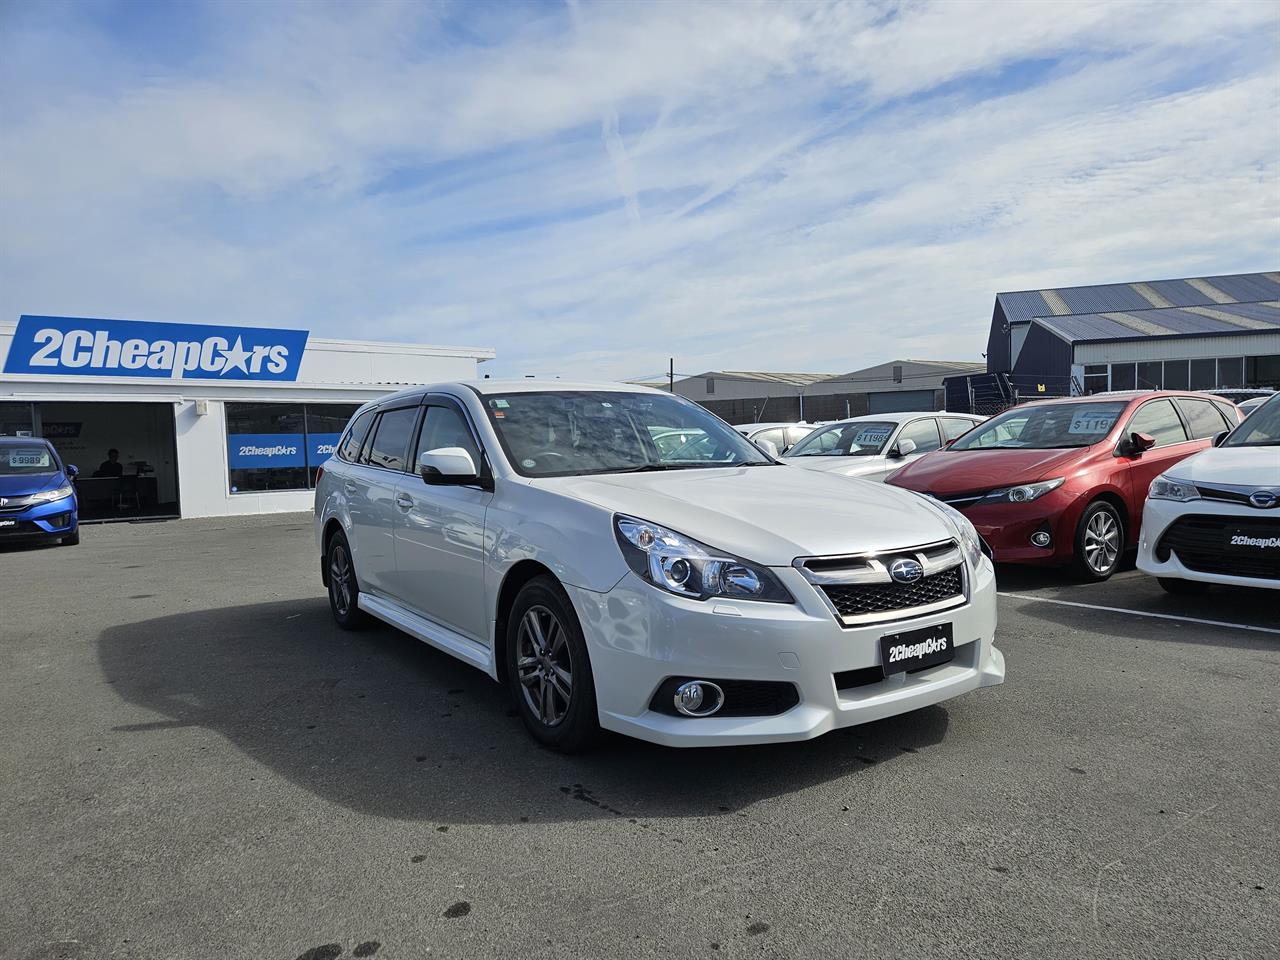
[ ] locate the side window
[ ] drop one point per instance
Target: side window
(1203, 417)
(1158, 419)
(443, 426)
(776, 437)
(354, 439)
(796, 434)
(924, 433)
(390, 442)
(1230, 412)
(953, 427)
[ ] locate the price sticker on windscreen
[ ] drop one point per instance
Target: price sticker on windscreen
(1091, 423)
(871, 436)
(29, 458)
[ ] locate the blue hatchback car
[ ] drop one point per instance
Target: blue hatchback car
(37, 497)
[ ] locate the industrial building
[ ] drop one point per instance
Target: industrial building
(741, 396)
(1200, 333)
(205, 420)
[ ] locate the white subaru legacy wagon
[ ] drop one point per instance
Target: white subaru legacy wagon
(537, 532)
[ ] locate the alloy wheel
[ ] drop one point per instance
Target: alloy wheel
(340, 578)
(1101, 542)
(544, 665)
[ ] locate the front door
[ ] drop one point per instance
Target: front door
(1159, 419)
(440, 532)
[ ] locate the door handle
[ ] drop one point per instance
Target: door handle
(404, 501)
(350, 487)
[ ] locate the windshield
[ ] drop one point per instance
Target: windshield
(571, 433)
(27, 458)
(1260, 429)
(1044, 427)
(864, 438)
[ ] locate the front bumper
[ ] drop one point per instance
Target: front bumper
(1007, 528)
(1159, 515)
(638, 636)
(57, 518)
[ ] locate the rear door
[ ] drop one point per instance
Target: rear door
(439, 530)
(370, 487)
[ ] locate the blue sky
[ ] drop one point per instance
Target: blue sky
(591, 188)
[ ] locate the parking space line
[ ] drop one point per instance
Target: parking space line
(1141, 613)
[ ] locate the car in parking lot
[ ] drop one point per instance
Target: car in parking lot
(37, 493)
(541, 535)
(872, 447)
(1063, 481)
(1215, 517)
(783, 436)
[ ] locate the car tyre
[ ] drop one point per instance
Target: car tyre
(1099, 542)
(344, 587)
(548, 670)
(71, 539)
(1183, 588)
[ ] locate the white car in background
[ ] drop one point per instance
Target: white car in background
(874, 446)
(1215, 517)
(783, 436)
(713, 597)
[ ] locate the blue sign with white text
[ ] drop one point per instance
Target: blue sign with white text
(320, 447)
(72, 346)
(249, 451)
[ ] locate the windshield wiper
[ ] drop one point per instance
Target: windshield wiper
(650, 467)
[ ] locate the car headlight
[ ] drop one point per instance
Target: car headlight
(1169, 488)
(970, 542)
(57, 493)
(1023, 493)
(687, 568)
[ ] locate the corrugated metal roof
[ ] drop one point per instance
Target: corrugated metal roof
(796, 379)
(1167, 322)
(1022, 306)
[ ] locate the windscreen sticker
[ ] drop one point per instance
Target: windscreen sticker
(499, 403)
(872, 436)
(1095, 423)
(28, 458)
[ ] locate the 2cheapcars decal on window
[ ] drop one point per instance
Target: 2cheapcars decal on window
(257, 451)
(74, 346)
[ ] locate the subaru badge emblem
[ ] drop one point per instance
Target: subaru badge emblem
(905, 570)
(1263, 499)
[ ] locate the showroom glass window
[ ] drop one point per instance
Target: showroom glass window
(277, 446)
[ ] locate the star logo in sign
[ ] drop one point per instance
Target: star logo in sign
(236, 358)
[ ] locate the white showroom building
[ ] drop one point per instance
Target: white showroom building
(204, 420)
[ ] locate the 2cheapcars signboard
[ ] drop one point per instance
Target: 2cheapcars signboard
(73, 346)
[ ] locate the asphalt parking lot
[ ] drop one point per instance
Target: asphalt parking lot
(197, 763)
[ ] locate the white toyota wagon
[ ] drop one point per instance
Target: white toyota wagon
(537, 532)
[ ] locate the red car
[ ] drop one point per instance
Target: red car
(1064, 481)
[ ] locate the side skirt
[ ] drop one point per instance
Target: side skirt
(440, 637)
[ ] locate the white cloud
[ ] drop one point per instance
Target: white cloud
(592, 190)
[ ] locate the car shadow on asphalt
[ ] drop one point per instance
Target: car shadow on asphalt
(385, 725)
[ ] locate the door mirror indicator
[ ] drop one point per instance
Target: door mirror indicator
(447, 465)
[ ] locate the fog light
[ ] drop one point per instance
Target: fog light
(1041, 538)
(698, 698)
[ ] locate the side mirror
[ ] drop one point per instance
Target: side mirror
(447, 465)
(903, 448)
(1138, 443)
(73, 471)
(947, 443)
(769, 447)
(1219, 437)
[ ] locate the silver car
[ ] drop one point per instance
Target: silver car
(783, 436)
(875, 446)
